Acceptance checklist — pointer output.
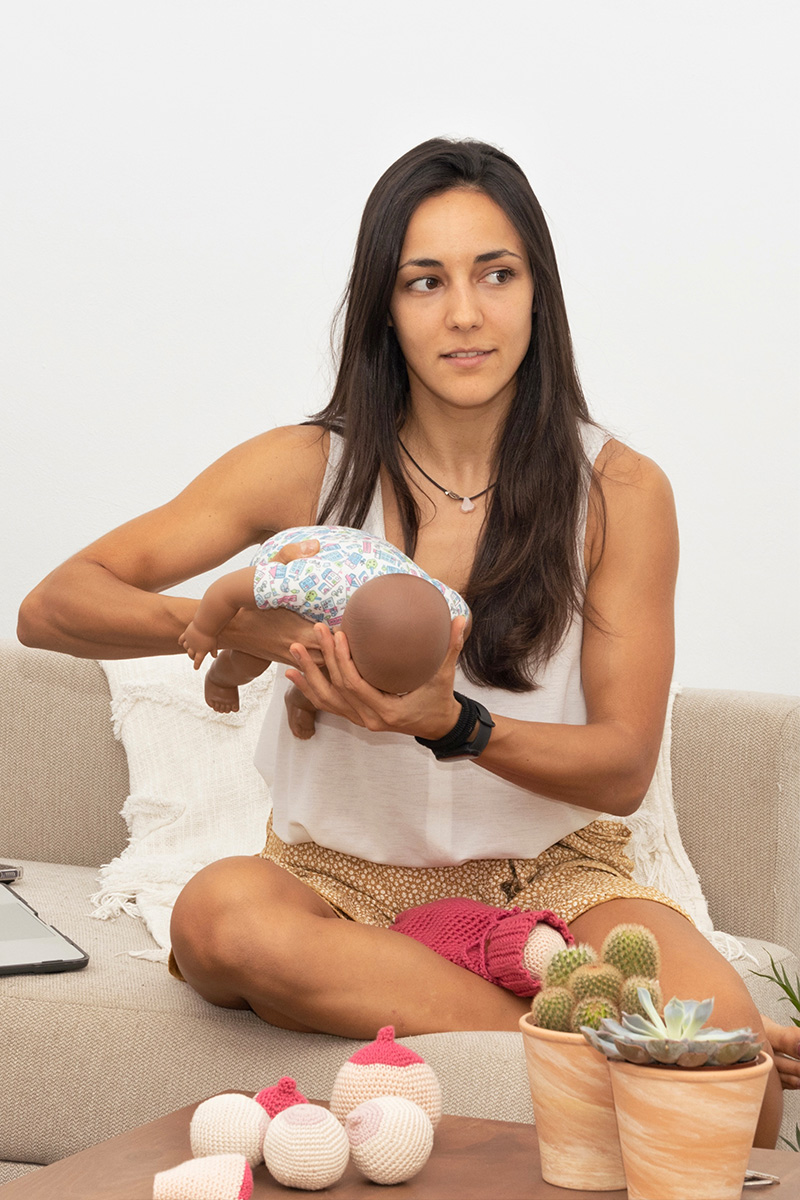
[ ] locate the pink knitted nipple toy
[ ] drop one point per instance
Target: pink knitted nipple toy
(508, 947)
(391, 1138)
(385, 1068)
(282, 1095)
(306, 1147)
(229, 1124)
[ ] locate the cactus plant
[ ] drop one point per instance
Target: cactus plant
(552, 1009)
(589, 1013)
(577, 975)
(565, 961)
(679, 1039)
(629, 995)
(633, 950)
(596, 979)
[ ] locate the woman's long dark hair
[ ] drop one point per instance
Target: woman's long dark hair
(527, 580)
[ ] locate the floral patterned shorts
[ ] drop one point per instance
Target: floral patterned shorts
(583, 869)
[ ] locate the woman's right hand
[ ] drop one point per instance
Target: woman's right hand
(269, 632)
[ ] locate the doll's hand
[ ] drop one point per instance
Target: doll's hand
(197, 645)
(430, 711)
(301, 714)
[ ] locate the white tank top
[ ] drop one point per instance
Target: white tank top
(385, 798)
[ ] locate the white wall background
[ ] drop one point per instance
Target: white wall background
(180, 187)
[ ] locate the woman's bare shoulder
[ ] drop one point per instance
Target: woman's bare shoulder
(305, 446)
(620, 464)
(637, 503)
(278, 473)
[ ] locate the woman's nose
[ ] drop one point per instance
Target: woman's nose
(464, 311)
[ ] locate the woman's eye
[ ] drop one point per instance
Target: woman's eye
(501, 275)
(428, 284)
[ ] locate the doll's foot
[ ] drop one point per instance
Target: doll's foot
(300, 713)
(221, 698)
(507, 947)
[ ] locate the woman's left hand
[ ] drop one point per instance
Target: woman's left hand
(430, 711)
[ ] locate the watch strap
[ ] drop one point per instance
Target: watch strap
(454, 744)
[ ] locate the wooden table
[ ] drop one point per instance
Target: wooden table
(471, 1160)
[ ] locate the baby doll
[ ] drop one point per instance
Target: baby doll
(396, 618)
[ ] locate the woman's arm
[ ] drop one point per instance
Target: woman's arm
(605, 765)
(106, 601)
(627, 658)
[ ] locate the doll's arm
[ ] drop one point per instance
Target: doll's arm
(223, 599)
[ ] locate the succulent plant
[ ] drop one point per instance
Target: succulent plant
(565, 961)
(633, 950)
(681, 1038)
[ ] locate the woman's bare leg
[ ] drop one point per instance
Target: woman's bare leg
(247, 934)
(691, 969)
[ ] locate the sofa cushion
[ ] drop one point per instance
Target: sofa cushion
(91, 1032)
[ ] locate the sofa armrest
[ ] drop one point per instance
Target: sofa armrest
(64, 777)
(736, 782)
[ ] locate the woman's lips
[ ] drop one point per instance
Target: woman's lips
(467, 358)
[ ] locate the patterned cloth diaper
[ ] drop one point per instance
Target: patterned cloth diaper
(319, 587)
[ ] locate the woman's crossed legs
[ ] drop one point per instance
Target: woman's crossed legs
(248, 934)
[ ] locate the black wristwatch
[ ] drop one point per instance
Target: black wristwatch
(454, 744)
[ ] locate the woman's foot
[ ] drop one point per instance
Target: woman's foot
(785, 1042)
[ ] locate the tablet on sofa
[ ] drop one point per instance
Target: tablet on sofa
(28, 945)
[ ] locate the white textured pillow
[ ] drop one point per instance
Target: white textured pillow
(195, 794)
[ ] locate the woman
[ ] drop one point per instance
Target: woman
(458, 428)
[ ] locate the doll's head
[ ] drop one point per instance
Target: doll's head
(398, 631)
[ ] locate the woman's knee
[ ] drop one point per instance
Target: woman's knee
(238, 911)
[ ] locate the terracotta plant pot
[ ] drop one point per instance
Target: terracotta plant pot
(574, 1110)
(687, 1132)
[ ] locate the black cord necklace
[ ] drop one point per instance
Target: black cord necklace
(467, 505)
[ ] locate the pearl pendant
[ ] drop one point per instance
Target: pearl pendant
(467, 505)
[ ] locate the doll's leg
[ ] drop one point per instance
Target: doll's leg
(301, 713)
(228, 671)
(508, 947)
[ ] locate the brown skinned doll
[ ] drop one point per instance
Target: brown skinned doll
(397, 628)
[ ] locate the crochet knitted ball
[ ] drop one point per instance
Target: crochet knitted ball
(229, 1124)
(282, 1095)
(383, 1068)
(391, 1138)
(306, 1147)
(221, 1177)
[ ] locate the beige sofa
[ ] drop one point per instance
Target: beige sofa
(89, 1054)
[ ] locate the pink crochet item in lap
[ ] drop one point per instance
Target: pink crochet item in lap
(494, 943)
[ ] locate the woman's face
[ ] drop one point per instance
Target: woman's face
(462, 301)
